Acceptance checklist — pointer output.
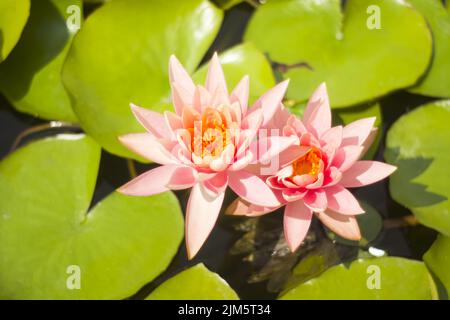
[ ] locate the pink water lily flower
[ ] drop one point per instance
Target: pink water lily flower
(316, 181)
(205, 145)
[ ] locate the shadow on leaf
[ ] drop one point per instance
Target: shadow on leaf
(409, 169)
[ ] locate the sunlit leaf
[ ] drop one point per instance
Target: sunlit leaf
(31, 76)
(436, 82)
(382, 278)
(315, 41)
(195, 283)
(48, 240)
(419, 145)
(13, 16)
(437, 259)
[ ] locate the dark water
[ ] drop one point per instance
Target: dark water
(248, 253)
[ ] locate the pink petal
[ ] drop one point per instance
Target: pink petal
(201, 215)
(240, 207)
(342, 201)
(332, 177)
(220, 98)
(297, 124)
(318, 183)
(252, 189)
(179, 75)
(273, 182)
(270, 147)
(346, 157)
(180, 97)
(297, 219)
(366, 172)
(271, 100)
(188, 116)
(147, 146)
(369, 140)
(291, 195)
(317, 115)
(240, 94)
(333, 137)
(356, 133)
(160, 179)
(280, 118)
(184, 140)
(253, 120)
(292, 153)
(218, 183)
(152, 121)
(307, 139)
(224, 160)
(345, 226)
(316, 200)
(173, 122)
(202, 99)
(303, 180)
(242, 161)
(215, 78)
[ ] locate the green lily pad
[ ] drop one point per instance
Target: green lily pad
(121, 55)
(31, 76)
(13, 16)
(436, 82)
(195, 283)
(370, 224)
(241, 60)
(315, 42)
(419, 145)
(48, 242)
(437, 259)
(399, 279)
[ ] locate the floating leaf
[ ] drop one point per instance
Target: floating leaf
(437, 259)
(419, 145)
(31, 77)
(398, 279)
(242, 60)
(370, 224)
(13, 16)
(121, 55)
(47, 240)
(313, 41)
(436, 82)
(315, 260)
(195, 283)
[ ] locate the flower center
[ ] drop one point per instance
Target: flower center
(210, 135)
(308, 164)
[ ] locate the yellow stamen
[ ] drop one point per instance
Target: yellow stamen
(212, 137)
(307, 164)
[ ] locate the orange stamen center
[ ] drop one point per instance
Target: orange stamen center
(210, 135)
(307, 164)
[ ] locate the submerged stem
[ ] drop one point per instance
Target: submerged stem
(406, 221)
(40, 128)
(131, 168)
